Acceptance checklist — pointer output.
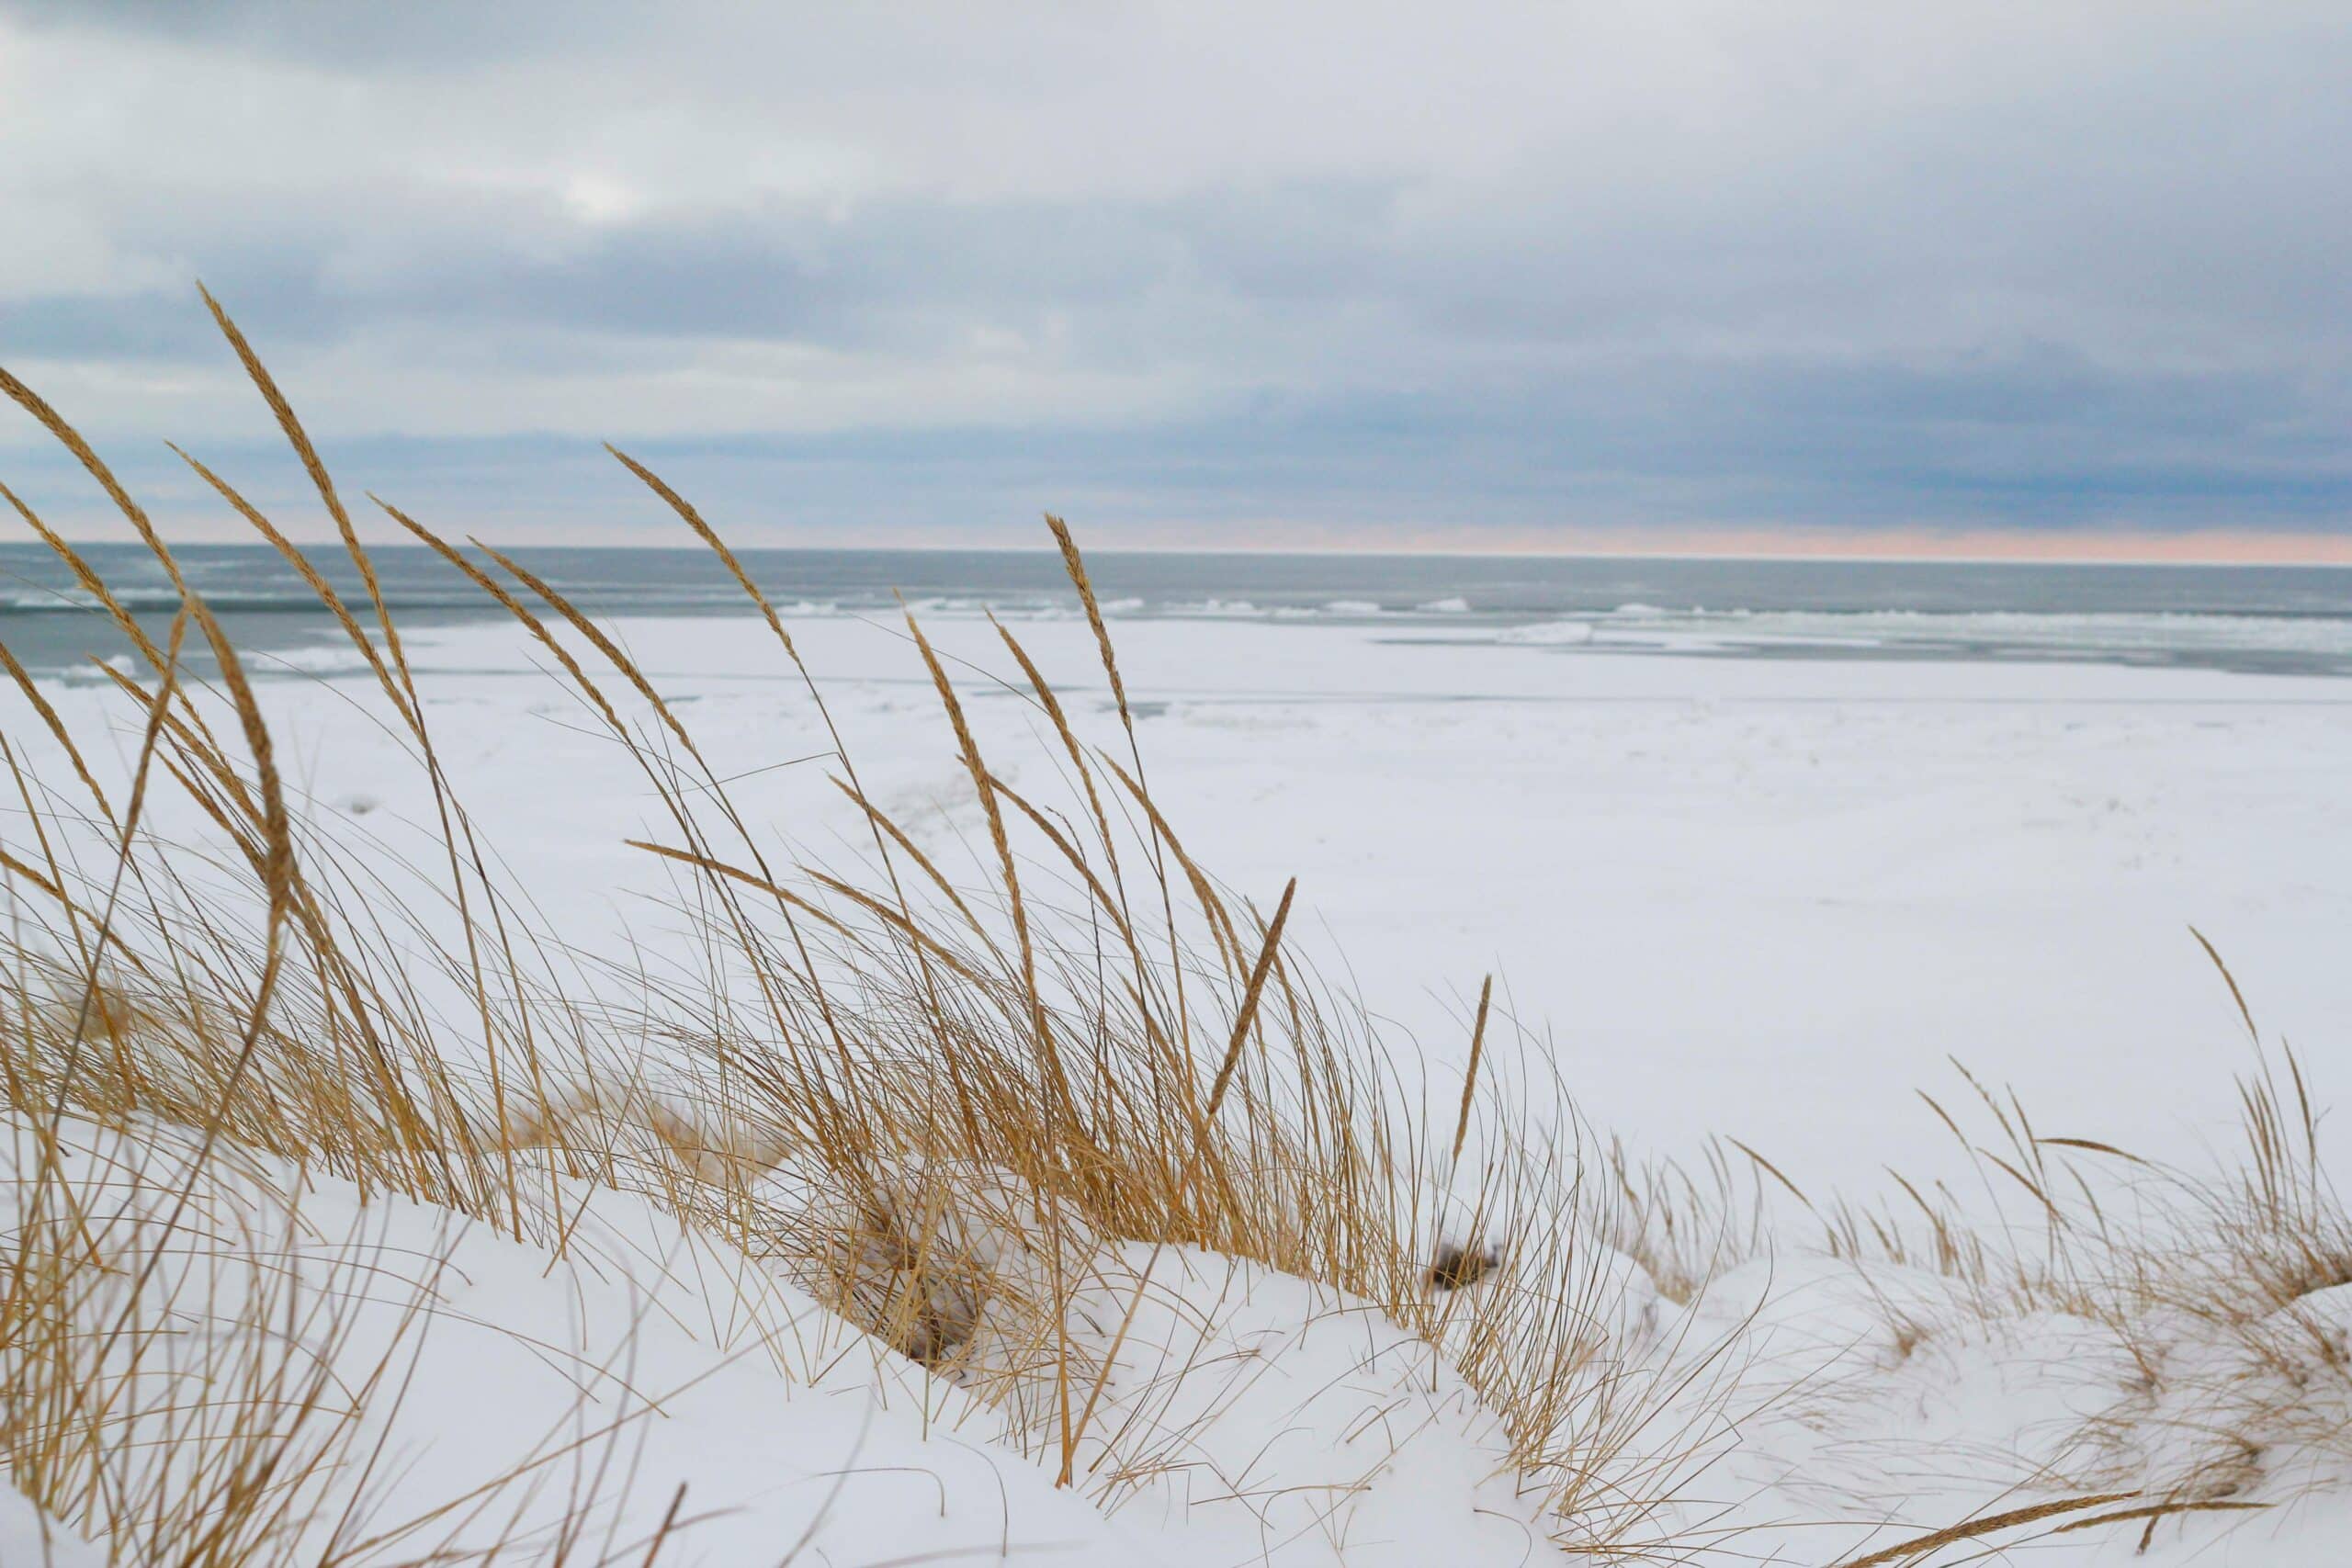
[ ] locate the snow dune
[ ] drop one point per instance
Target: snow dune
(1761, 898)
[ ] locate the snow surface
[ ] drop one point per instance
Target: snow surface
(1765, 897)
(1305, 1428)
(1826, 1409)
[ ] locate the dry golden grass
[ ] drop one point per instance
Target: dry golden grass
(172, 1382)
(922, 1099)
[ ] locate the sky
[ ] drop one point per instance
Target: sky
(2001, 278)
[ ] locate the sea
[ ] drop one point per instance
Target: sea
(2291, 620)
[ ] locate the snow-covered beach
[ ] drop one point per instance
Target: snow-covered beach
(1762, 896)
(1768, 896)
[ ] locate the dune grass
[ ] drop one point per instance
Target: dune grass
(929, 1099)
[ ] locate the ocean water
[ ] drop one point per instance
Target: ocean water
(2292, 620)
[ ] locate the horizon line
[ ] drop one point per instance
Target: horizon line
(1915, 546)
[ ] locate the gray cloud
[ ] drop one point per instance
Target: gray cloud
(417, 32)
(929, 270)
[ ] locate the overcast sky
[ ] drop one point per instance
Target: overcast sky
(1550, 274)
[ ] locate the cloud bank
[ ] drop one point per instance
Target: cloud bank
(1477, 275)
